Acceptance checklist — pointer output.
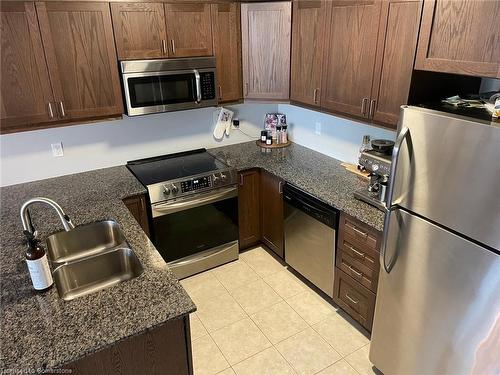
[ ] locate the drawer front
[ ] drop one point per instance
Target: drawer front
(361, 235)
(368, 257)
(356, 300)
(358, 271)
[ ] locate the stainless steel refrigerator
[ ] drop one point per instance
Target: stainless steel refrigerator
(438, 299)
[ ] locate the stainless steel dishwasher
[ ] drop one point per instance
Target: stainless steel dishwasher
(310, 231)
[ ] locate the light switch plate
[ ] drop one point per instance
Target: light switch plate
(57, 149)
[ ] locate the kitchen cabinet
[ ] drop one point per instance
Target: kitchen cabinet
(133, 39)
(137, 205)
(189, 28)
(307, 51)
(249, 198)
(26, 95)
(272, 213)
(81, 59)
(349, 57)
(167, 346)
(397, 42)
(461, 37)
(266, 39)
(226, 29)
(356, 269)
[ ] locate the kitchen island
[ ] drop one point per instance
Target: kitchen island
(41, 332)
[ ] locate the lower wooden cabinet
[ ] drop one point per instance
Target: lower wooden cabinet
(249, 207)
(162, 350)
(272, 213)
(137, 206)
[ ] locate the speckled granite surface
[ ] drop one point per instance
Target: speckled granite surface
(316, 173)
(41, 330)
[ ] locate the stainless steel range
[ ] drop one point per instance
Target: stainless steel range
(193, 209)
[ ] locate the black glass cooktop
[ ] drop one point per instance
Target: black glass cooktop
(174, 166)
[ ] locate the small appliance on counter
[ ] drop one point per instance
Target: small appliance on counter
(193, 209)
(377, 161)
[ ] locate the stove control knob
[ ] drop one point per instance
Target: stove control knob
(215, 179)
(174, 189)
(166, 190)
(375, 167)
(223, 177)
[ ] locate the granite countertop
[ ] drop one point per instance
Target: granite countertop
(316, 173)
(41, 331)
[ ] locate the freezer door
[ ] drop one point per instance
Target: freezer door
(438, 310)
(449, 172)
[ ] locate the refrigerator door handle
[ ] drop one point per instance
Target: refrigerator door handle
(403, 134)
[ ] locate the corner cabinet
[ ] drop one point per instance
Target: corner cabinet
(272, 213)
(461, 37)
(137, 206)
(266, 39)
(249, 198)
(226, 29)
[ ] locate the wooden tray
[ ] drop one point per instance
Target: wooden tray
(274, 145)
(353, 169)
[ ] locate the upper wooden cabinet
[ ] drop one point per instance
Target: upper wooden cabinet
(227, 50)
(397, 42)
(349, 57)
(460, 36)
(140, 30)
(189, 29)
(307, 51)
(79, 48)
(26, 96)
(266, 29)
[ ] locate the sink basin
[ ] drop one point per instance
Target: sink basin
(84, 241)
(94, 273)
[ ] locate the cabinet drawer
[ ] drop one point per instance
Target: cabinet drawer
(353, 298)
(364, 275)
(368, 257)
(359, 233)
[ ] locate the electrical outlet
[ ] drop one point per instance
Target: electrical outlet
(318, 128)
(57, 149)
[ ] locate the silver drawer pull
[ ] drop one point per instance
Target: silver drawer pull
(51, 112)
(358, 274)
(352, 300)
(360, 232)
(356, 252)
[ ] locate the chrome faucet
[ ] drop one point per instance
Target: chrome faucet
(26, 219)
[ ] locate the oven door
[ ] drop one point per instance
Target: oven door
(154, 92)
(198, 232)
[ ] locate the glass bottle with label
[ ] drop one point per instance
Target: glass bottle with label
(38, 264)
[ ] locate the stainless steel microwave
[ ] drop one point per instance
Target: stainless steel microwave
(154, 86)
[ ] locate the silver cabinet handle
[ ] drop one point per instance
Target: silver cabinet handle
(372, 107)
(353, 271)
(246, 89)
(403, 134)
(353, 301)
(61, 107)
(220, 92)
(315, 96)
(173, 46)
(356, 252)
(280, 187)
(51, 112)
(363, 106)
(360, 232)
(242, 179)
(164, 47)
(198, 85)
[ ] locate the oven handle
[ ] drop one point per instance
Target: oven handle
(198, 85)
(160, 209)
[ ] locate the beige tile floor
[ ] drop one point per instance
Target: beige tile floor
(256, 317)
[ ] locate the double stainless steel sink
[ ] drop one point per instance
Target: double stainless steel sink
(90, 258)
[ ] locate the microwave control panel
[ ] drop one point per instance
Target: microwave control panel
(196, 184)
(207, 85)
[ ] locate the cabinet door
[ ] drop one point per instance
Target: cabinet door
(140, 30)
(272, 212)
(227, 50)
(461, 37)
(395, 56)
(249, 207)
(307, 51)
(25, 87)
(137, 206)
(189, 28)
(78, 41)
(349, 57)
(266, 29)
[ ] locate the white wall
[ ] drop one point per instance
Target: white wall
(27, 156)
(340, 138)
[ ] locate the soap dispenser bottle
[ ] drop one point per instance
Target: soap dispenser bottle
(38, 264)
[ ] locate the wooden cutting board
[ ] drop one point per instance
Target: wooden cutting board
(354, 169)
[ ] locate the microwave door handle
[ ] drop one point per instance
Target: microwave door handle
(198, 85)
